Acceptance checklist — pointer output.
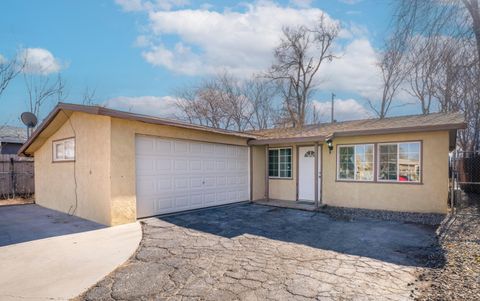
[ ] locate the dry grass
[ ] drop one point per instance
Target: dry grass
(16, 201)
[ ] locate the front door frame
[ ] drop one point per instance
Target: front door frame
(317, 172)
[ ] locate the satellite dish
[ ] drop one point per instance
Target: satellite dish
(29, 119)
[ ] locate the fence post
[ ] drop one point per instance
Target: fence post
(452, 192)
(12, 176)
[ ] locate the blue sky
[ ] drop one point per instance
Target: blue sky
(136, 53)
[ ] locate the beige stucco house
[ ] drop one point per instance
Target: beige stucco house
(113, 167)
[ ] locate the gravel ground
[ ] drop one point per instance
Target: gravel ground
(459, 277)
(350, 214)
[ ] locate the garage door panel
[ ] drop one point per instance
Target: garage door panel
(163, 147)
(145, 166)
(181, 146)
(146, 145)
(209, 165)
(175, 175)
(163, 164)
(161, 204)
(164, 184)
(196, 199)
(195, 165)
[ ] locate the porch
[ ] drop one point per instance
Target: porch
(301, 205)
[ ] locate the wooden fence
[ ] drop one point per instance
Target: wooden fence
(16, 176)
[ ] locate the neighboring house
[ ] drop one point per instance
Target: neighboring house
(114, 167)
(11, 139)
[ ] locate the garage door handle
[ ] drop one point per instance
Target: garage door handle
(203, 182)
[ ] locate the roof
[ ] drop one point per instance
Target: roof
(13, 134)
(390, 125)
(309, 133)
(68, 109)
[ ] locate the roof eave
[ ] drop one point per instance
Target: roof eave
(428, 128)
(95, 110)
(415, 129)
(288, 140)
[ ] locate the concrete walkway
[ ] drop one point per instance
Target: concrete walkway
(51, 263)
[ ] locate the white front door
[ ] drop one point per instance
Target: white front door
(306, 173)
(177, 175)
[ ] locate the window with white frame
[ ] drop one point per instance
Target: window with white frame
(399, 162)
(355, 162)
(280, 163)
(64, 150)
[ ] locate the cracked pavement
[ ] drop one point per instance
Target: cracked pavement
(253, 252)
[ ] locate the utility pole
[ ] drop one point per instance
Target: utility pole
(333, 106)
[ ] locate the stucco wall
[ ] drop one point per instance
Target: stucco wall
(123, 159)
(430, 196)
(258, 177)
(55, 182)
(104, 166)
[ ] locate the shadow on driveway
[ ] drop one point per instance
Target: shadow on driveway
(395, 242)
(24, 223)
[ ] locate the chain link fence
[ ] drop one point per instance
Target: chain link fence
(465, 181)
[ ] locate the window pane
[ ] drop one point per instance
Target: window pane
(280, 163)
(273, 163)
(409, 162)
(285, 162)
(59, 151)
(69, 149)
(387, 162)
(364, 162)
(346, 163)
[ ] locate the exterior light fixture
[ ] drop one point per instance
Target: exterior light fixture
(329, 142)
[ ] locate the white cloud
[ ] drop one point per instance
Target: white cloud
(39, 61)
(356, 70)
(162, 106)
(345, 109)
(241, 42)
(204, 42)
(3, 60)
(142, 5)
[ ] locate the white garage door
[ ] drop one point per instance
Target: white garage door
(176, 175)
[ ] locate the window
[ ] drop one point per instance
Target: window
(280, 163)
(399, 162)
(64, 150)
(355, 162)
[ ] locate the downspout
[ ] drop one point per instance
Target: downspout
(316, 175)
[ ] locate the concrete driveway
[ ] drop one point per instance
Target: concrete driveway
(253, 252)
(48, 255)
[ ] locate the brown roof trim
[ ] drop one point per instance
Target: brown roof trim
(287, 140)
(427, 128)
(413, 129)
(96, 110)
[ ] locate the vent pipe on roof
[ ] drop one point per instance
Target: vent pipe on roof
(333, 108)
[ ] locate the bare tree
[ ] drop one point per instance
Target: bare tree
(204, 104)
(298, 58)
(449, 72)
(237, 107)
(223, 101)
(41, 89)
(261, 94)
(9, 69)
(88, 96)
(392, 64)
(423, 64)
